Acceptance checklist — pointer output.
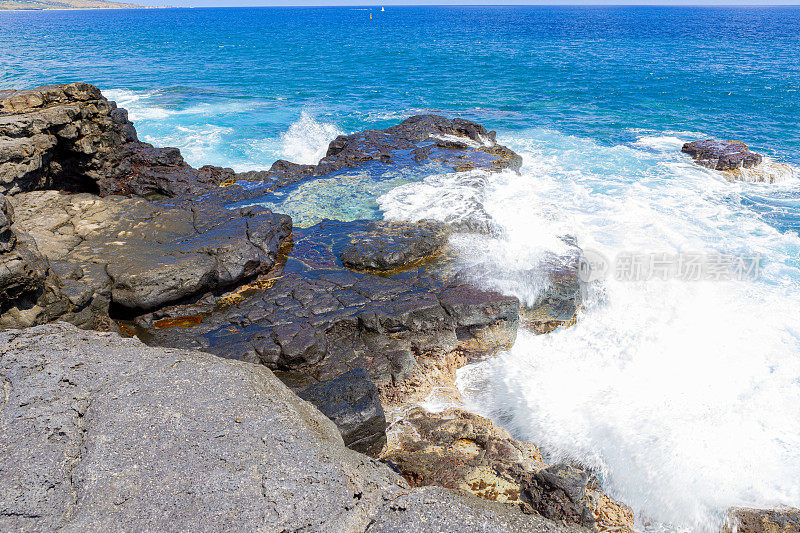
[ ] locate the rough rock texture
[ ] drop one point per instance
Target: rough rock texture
(722, 155)
(460, 450)
(745, 520)
(456, 145)
(30, 291)
(312, 320)
(140, 255)
(437, 510)
(353, 403)
(69, 137)
(102, 433)
(562, 297)
(394, 246)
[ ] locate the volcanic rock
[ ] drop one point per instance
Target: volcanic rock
(722, 155)
(353, 403)
(141, 255)
(394, 246)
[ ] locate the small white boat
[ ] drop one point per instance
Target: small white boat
(382, 10)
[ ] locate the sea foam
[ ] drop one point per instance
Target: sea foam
(683, 397)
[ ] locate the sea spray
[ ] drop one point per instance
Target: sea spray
(306, 140)
(682, 396)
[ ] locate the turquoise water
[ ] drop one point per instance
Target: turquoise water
(683, 396)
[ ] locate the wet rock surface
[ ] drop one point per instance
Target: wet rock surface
(141, 255)
(313, 324)
(746, 520)
(460, 450)
(353, 403)
(722, 155)
(394, 246)
(355, 316)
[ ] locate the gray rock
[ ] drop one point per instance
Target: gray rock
(353, 403)
(559, 492)
(141, 255)
(394, 246)
(722, 155)
(437, 510)
(104, 433)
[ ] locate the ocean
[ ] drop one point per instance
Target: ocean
(682, 396)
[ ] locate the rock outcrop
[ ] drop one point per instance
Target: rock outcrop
(747, 520)
(460, 450)
(70, 137)
(722, 155)
(394, 246)
(105, 433)
(353, 403)
(140, 255)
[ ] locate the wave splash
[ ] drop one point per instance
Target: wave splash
(306, 140)
(683, 397)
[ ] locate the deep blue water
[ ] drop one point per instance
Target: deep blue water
(684, 397)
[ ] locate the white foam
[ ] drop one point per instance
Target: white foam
(684, 397)
(307, 140)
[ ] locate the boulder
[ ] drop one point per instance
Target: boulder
(140, 255)
(722, 155)
(102, 433)
(460, 450)
(394, 246)
(747, 520)
(353, 403)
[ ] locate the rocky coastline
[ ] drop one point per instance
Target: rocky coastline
(175, 356)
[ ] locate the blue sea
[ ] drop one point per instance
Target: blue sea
(683, 396)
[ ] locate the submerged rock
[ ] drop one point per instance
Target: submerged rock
(353, 403)
(394, 246)
(722, 155)
(140, 255)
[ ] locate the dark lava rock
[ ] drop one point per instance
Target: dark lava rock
(457, 145)
(314, 319)
(561, 298)
(353, 402)
(746, 520)
(559, 493)
(394, 246)
(722, 155)
(69, 137)
(140, 255)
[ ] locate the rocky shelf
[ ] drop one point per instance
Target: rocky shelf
(217, 322)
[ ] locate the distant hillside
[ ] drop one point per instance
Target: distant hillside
(64, 4)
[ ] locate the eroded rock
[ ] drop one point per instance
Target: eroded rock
(747, 520)
(394, 246)
(722, 155)
(460, 450)
(353, 403)
(141, 255)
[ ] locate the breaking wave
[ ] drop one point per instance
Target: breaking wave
(683, 397)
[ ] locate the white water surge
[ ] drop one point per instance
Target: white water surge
(684, 397)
